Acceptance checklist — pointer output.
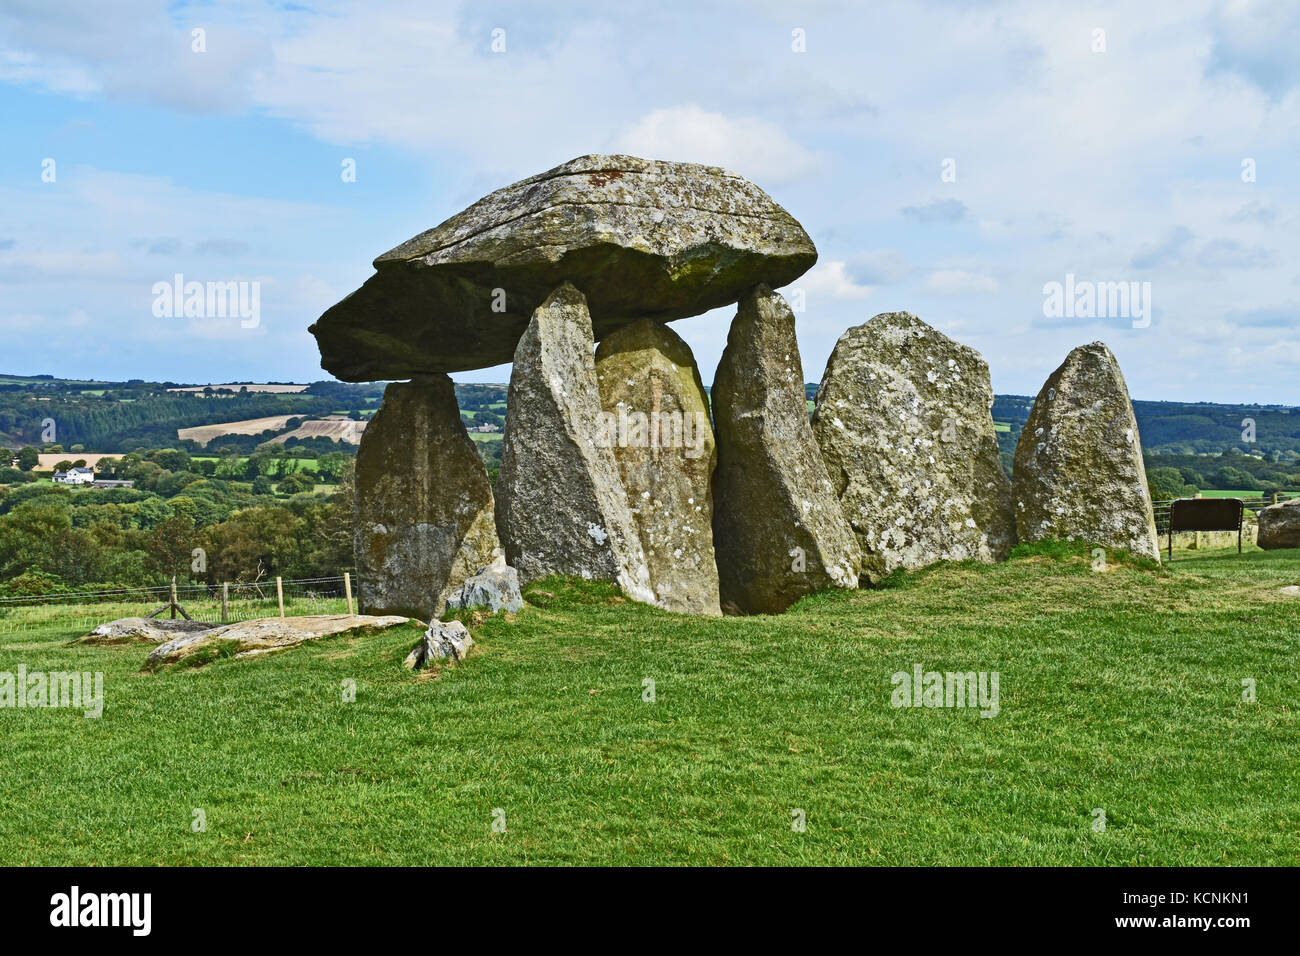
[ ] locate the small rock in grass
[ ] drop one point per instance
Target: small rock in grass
(495, 587)
(443, 640)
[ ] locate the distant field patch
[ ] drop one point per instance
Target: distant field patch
(1237, 494)
(337, 429)
(1002, 426)
(49, 460)
(251, 386)
(253, 426)
(306, 465)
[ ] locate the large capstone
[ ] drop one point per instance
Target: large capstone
(656, 420)
(1078, 470)
(561, 507)
(639, 237)
(777, 525)
(904, 426)
(424, 506)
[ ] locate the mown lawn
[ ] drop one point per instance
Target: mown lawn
(1119, 690)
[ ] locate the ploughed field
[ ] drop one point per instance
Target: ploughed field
(1119, 691)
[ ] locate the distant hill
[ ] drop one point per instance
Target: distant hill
(1187, 428)
(1198, 439)
(1206, 443)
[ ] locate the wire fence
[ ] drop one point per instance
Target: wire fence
(82, 611)
(214, 604)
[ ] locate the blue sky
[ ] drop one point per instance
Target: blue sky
(1115, 164)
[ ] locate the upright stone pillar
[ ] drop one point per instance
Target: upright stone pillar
(656, 417)
(424, 511)
(777, 524)
(561, 508)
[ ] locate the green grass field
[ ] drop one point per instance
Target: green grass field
(306, 465)
(1119, 690)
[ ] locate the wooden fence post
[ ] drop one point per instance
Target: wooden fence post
(347, 589)
(173, 597)
(279, 593)
(225, 600)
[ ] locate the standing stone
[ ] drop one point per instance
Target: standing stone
(424, 505)
(1279, 526)
(656, 418)
(561, 507)
(777, 524)
(1079, 472)
(903, 421)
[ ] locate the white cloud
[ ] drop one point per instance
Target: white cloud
(879, 267)
(138, 50)
(1124, 164)
(830, 280)
(754, 148)
(959, 282)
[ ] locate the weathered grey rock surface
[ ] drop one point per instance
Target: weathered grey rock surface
(494, 588)
(561, 507)
(904, 426)
(1279, 526)
(1078, 471)
(263, 635)
(424, 518)
(129, 630)
(778, 529)
(444, 640)
(639, 238)
(656, 418)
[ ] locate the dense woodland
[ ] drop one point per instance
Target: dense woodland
(259, 508)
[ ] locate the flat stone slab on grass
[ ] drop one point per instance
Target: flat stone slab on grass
(263, 635)
(143, 630)
(639, 237)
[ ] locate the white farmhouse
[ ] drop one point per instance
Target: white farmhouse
(77, 476)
